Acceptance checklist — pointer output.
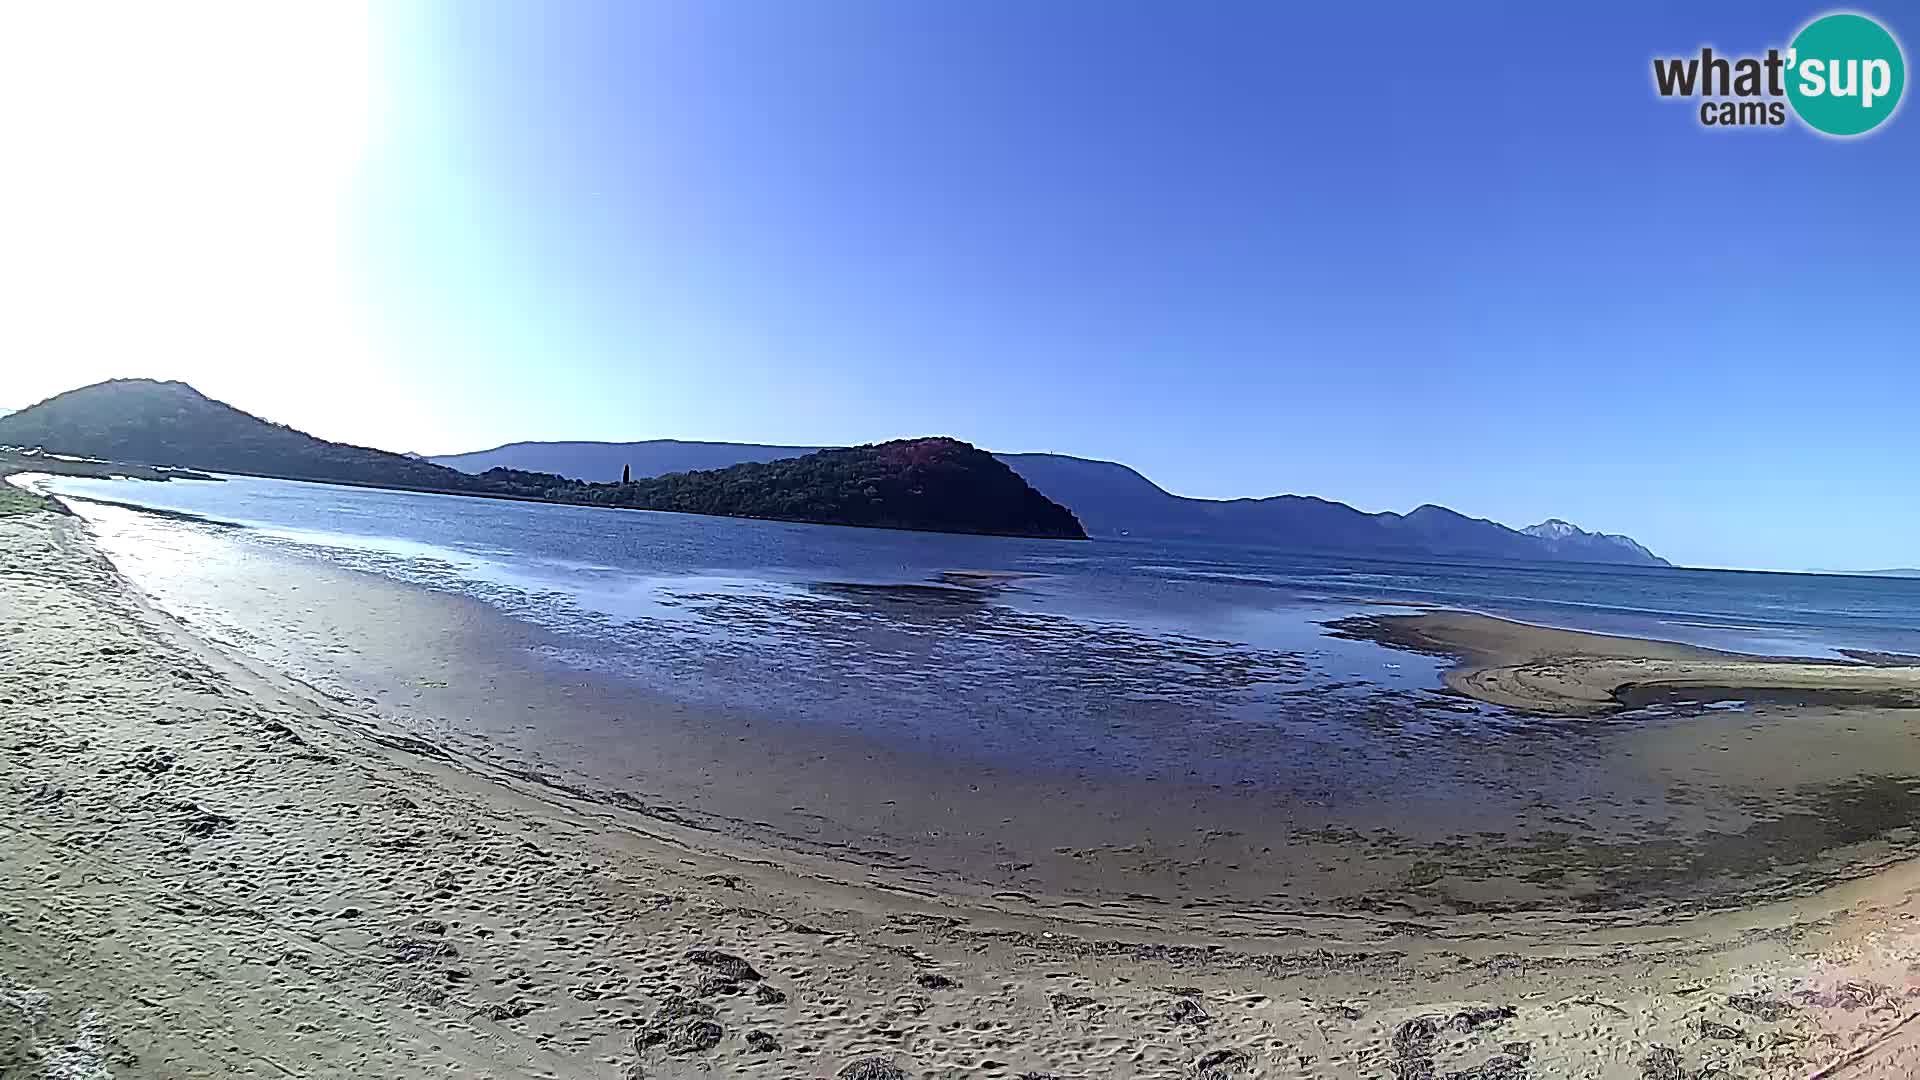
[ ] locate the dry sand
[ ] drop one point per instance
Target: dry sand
(209, 870)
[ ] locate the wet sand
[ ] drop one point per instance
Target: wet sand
(212, 870)
(1571, 673)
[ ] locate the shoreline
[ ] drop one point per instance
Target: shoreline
(402, 891)
(1576, 673)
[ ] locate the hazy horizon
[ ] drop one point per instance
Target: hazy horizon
(1482, 265)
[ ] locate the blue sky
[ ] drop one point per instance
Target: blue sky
(1384, 254)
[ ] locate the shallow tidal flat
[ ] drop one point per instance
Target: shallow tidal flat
(935, 740)
(1781, 775)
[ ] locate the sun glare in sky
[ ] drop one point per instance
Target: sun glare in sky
(1122, 231)
(175, 184)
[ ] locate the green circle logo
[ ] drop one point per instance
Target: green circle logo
(1846, 74)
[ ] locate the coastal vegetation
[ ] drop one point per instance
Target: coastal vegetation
(15, 501)
(936, 484)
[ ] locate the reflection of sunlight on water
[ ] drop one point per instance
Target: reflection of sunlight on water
(1223, 575)
(981, 668)
(349, 542)
(1034, 678)
(157, 549)
(626, 597)
(560, 545)
(1203, 673)
(993, 680)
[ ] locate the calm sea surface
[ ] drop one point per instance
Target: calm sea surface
(627, 565)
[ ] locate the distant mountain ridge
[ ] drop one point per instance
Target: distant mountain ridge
(935, 484)
(1111, 499)
(1574, 542)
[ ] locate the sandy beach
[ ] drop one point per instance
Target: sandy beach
(213, 870)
